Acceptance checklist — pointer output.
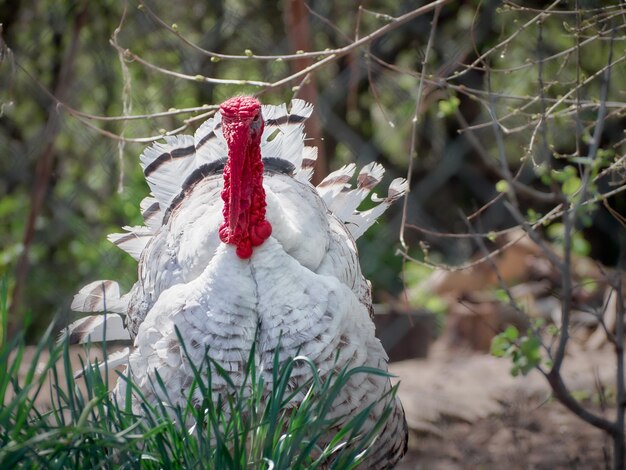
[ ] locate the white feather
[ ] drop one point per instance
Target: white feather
(100, 296)
(345, 203)
(288, 133)
(309, 157)
(133, 241)
(359, 222)
(210, 143)
(152, 213)
(335, 182)
(166, 180)
(96, 328)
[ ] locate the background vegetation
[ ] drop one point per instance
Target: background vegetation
(66, 183)
(506, 117)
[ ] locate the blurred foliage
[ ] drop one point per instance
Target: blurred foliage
(414, 275)
(524, 351)
(366, 109)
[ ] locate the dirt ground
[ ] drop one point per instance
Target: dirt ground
(548, 437)
(465, 411)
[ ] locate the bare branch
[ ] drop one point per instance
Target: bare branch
(414, 121)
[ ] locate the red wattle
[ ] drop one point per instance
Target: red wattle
(260, 233)
(244, 250)
(244, 197)
(224, 233)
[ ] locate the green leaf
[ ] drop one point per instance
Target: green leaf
(511, 333)
(499, 346)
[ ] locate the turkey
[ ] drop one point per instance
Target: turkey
(240, 250)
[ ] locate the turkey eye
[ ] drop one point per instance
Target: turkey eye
(256, 118)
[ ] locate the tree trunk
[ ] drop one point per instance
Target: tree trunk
(297, 25)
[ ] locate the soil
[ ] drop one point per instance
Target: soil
(548, 437)
(466, 411)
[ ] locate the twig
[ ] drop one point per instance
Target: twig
(569, 218)
(394, 23)
(414, 123)
(501, 282)
(552, 215)
(399, 21)
(512, 205)
(329, 56)
(92, 117)
(130, 56)
(532, 63)
(510, 38)
(474, 93)
(126, 103)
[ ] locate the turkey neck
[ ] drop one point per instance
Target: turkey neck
(244, 197)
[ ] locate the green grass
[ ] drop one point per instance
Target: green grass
(254, 428)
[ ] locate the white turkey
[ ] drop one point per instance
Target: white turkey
(239, 249)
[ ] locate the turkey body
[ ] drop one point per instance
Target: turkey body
(300, 292)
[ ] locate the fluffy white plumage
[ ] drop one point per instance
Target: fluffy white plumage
(301, 292)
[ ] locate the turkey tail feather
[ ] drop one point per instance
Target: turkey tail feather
(133, 241)
(359, 222)
(166, 165)
(345, 203)
(96, 329)
(283, 136)
(309, 158)
(210, 143)
(100, 296)
(151, 213)
(343, 200)
(335, 182)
